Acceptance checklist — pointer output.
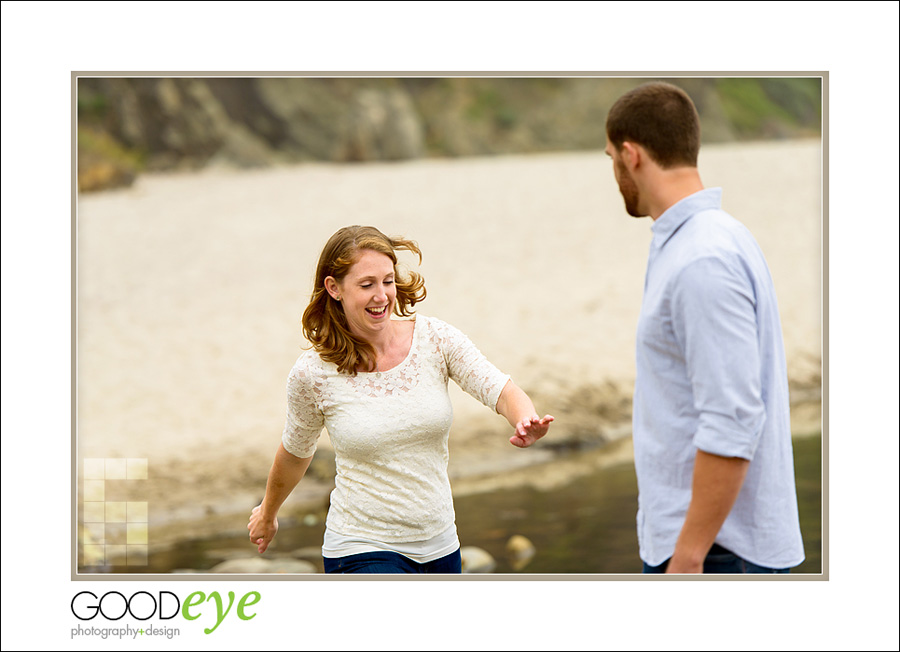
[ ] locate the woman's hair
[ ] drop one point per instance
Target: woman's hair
(660, 117)
(324, 322)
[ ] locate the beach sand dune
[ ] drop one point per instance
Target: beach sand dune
(190, 289)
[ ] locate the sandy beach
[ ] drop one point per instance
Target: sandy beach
(190, 289)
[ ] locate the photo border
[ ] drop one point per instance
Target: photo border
(76, 472)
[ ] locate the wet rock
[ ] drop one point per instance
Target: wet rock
(291, 566)
(244, 565)
(520, 551)
(259, 565)
(224, 554)
(476, 560)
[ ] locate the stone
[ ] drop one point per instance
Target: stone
(286, 565)
(224, 554)
(244, 565)
(260, 565)
(307, 115)
(476, 560)
(241, 148)
(520, 551)
(384, 125)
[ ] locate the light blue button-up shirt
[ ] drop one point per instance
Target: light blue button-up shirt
(711, 374)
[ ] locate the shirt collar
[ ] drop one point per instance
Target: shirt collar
(680, 212)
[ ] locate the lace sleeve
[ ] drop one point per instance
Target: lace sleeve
(468, 367)
(304, 421)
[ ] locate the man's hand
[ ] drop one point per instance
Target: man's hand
(716, 483)
(679, 565)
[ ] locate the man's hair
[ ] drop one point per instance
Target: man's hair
(662, 119)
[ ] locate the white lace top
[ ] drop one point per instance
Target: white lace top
(390, 431)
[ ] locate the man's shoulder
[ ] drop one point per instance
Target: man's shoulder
(711, 233)
(712, 245)
(715, 220)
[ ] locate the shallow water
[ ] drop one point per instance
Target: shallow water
(585, 527)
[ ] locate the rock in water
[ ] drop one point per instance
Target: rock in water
(258, 565)
(292, 566)
(476, 560)
(244, 565)
(520, 551)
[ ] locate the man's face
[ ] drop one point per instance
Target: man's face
(627, 186)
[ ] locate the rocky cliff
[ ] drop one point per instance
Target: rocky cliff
(126, 125)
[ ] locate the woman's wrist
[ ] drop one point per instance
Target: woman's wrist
(268, 512)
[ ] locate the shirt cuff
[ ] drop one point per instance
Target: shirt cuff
(494, 395)
(298, 450)
(724, 440)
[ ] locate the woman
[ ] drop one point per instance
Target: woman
(380, 387)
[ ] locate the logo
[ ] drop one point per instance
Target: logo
(86, 605)
(165, 605)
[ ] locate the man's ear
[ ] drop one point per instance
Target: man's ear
(631, 155)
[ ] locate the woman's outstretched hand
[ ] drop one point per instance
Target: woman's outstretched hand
(530, 430)
(262, 531)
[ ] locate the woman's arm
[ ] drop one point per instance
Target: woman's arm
(472, 371)
(287, 471)
(518, 409)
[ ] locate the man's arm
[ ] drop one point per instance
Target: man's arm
(716, 483)
(715, 310)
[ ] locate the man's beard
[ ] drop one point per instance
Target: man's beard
(629, 192)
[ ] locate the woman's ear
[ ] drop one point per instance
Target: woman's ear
(332, 288)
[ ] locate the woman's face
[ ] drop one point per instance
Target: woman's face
(367, 293)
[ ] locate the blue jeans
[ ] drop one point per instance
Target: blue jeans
(722, 560)
(391, 562)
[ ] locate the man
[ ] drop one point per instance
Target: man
(712, 439)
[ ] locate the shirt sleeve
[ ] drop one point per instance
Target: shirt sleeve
(305, 420)
(714, 319)
(468, 367)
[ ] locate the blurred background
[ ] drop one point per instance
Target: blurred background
(203, 204)
(128, 126)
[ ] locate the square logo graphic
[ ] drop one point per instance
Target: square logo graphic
(113, 532)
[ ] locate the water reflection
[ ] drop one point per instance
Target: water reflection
(588, 526)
